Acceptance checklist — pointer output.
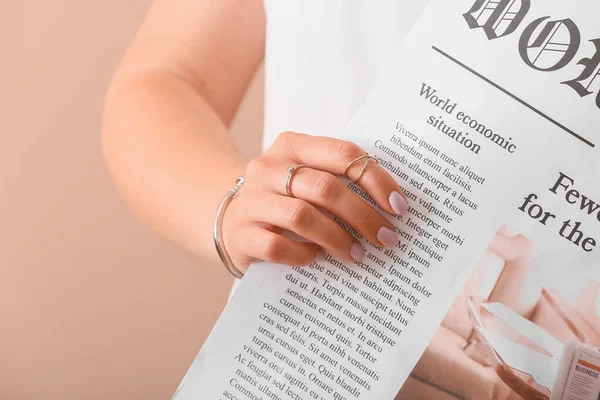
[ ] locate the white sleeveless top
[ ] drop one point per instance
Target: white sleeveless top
(323, 56)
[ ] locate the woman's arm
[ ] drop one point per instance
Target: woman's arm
(172, 157)
(167, 112)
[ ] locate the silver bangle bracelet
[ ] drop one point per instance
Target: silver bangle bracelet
(218, 228)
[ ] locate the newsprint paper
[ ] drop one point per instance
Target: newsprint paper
(488, 116)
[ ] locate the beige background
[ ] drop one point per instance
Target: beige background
(92, 305)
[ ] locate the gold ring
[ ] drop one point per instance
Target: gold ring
(362, 171)
(288, 182)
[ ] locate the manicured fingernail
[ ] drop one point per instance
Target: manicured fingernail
(320, 256)
(357, 252)
(398, 203)
(387, 236)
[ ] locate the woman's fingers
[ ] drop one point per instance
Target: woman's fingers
(305, 220)
(328, 192)
(262, 244)
(333, 156)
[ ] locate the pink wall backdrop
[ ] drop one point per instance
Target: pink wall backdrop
(92, 305)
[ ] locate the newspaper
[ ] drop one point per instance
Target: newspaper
(487, 116)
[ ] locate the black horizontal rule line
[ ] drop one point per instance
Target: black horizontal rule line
(514, 97)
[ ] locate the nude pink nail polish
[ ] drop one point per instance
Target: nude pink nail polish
(387, 236)
(398, 203)
(320, 256)
(358, 252)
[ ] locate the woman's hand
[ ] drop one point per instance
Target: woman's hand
(254, 221)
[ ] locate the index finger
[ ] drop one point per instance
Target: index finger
(334, 155)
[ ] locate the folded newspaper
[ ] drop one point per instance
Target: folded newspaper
(488, 117)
